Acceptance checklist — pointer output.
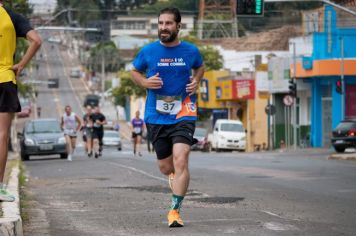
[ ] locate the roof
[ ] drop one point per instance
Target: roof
(272, 40)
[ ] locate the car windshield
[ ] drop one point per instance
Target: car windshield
(199, 132)
(111, 134)
(230, 127)
(44, 126)
(346, 125)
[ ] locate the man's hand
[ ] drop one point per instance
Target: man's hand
(17, 68)
(154, 82)
(192, 87)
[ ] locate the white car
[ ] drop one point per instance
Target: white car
(112, 138)
(75, 73)
(228, 135)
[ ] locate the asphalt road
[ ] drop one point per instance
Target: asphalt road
(265, 193)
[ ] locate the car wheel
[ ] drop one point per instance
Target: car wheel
(25, 157)
(339, 149)
(119, 148)
(64, 156)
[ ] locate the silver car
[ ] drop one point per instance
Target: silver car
(112, 138)
(42, 137)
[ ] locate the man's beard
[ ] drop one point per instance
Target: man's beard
(172, 36)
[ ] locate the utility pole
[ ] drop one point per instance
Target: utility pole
(295, 97)
(102, 72)
(342, 80)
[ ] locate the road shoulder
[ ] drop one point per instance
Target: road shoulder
(11, 222)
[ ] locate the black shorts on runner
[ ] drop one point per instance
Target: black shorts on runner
(9, 101)
(164, 136)
(134, 135)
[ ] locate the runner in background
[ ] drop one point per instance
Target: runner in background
(99, 120)
(137, 127)
(70, 124)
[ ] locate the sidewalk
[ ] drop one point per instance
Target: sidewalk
(10, 221)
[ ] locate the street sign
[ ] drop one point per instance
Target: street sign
(270, 110)
(288, 100)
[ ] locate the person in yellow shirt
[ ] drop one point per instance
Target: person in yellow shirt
(12, 25)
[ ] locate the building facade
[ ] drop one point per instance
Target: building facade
(333, 58)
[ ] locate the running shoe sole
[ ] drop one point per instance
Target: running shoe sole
(175, 224)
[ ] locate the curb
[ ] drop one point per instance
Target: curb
(345, 157)
(11, 222)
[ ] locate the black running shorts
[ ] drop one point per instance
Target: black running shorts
(9, 101)
(134, 135)
(164, 136)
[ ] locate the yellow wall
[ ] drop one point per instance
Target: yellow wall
(254, 117)
(212, 77)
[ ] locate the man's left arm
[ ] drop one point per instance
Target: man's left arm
(103, 120)
(79, 123)
(195, 79)
(35, 44)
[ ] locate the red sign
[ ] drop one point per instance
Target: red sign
(243, 89)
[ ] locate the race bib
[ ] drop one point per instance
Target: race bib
(137, 130)
(171, 105)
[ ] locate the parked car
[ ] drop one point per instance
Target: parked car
(201, 134)
(344, 135)
(91, 100)
(26, 108)
(75, 73)
(42, 137)
(228, 135)
(112, 138)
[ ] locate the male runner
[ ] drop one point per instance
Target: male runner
(12, 25)
(99, 120)
(164, 68)
(137, 126)
(70, 124)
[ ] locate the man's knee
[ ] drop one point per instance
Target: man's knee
(180, 164)
(166, 169)
(4, 134)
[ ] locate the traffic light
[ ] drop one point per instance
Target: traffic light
(339, 86)
(249, 7)
(292, 88)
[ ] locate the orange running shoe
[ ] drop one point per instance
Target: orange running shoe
(174, 219)
(170, 180)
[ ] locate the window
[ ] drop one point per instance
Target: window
(231, 127)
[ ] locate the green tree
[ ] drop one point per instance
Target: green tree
(211, 56)
(111, 56)
(22, 7)
(79, 11)
(127, 88)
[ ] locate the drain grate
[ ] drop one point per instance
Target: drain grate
(152, 189)
(219, 200)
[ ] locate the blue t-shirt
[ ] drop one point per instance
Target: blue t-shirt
(171, 103)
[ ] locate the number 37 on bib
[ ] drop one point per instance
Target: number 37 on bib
(173, 105)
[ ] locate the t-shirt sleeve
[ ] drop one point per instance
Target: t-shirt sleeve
(198, 60)
(139, 62)
(102, 118)
(22, 25)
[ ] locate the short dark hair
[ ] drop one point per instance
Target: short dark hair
(172, 10)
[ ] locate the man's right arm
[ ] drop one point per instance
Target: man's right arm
(35, 44)
(154, 82)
